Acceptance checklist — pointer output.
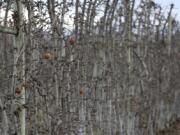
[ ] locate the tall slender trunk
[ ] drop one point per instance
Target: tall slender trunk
(82, 18)
(6, 12)
(129, 6)
(88, 17)
(20, 54)
(5, 119)
(5, 56)
(111, 16)
(76, 23)
(105, 16)
(128, 29)
(92, 15)
(55, 29)
(170, 29)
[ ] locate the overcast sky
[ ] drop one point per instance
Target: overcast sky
(166, 5)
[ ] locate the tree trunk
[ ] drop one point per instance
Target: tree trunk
(5, 119)
(19, 55)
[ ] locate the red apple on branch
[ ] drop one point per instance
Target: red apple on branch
(72, 40)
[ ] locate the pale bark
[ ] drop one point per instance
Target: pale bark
(19, 48)
(19, 44)
(129, 7)
(55, 29)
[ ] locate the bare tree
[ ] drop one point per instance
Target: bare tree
(111, 71)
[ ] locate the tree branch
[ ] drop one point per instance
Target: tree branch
(7, 30)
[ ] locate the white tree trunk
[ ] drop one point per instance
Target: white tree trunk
(20, 46)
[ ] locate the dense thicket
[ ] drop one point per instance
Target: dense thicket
(92, 67)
